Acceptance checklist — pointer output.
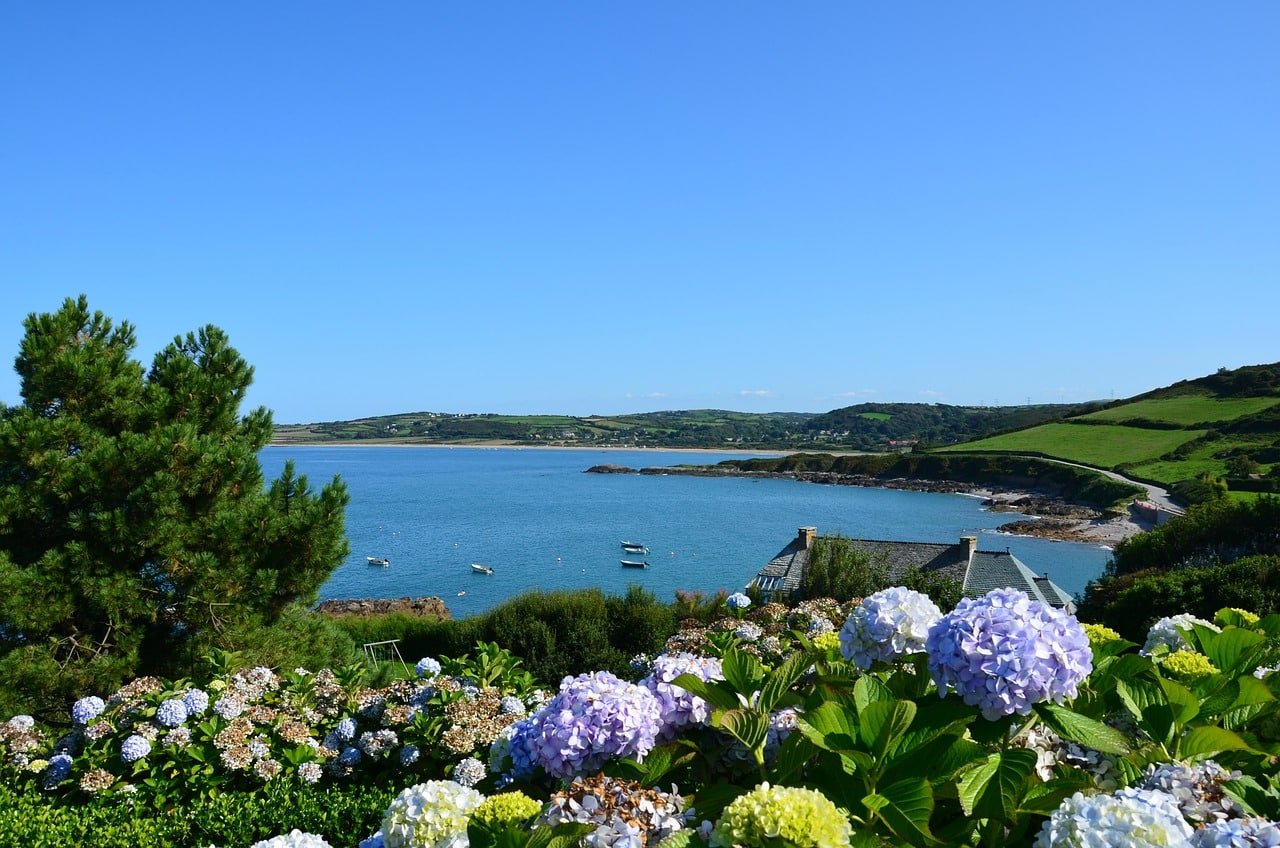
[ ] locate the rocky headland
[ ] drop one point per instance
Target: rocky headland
(426, 607)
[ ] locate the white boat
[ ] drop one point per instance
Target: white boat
(481, 569)
(634, 563)
(634, 548)
(382, 561)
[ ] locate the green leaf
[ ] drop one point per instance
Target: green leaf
(1229, 648)
(830, 727)
(1081, 729)
(792, 756)
(1182, 700)
(742, 670)
(882, 723)
(1200, 741)
(1006, 790)
(1149, 706)
(749, 727)
(717, 696)
(973, 783)
(869, 689)
(1222, 695)
(680, 839)
(908, 811)
(781, 679)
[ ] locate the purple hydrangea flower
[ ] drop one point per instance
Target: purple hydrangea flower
(680, 709)
(887, 626)
(1004, 652)
(594, 718)
(87, 709)
(171, 713)
(134, 748)
(196, 701)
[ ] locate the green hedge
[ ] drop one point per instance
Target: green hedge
(343, 816)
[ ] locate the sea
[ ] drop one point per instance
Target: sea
(540, 522)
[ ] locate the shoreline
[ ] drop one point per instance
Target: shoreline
(511, 446)
(1049, 517)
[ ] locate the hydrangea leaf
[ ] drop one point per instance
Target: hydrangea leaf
(830, 727)
(1005, 789)
(869, 689)
(1232, 649)
(782, 678)
(882, 723)
(910, 804)
(1086, 731)
(1210, 740)
(717, 696)
(750, 727)
(743, 671)
(1182, 700)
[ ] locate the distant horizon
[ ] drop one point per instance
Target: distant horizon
(601, 209)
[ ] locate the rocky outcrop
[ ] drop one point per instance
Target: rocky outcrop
(428, 607)
(609, 468)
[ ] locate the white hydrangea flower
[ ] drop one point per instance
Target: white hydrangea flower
(887, 626)
(1165, 632)
(294, 839)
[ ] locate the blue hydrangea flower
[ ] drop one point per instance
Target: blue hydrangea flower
(22, 723)
(1197, 787)
(171, 713)
(1238, 833)
(511, 705)
(679, 708)
(134, 748)
(748, 631)
(1131, 818)
(887, 626)
(409, 755)
(196, 701)
(737, 601)
(594, 718)
(1004, 652)
(57, 771)
(427, 667)
(87, 709)
(346, 730)
(228, 706)
(350, 757)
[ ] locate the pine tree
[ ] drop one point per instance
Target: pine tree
(136, 530)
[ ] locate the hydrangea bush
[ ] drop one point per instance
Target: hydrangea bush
(1013, 727)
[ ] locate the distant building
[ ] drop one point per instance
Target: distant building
(978, 572)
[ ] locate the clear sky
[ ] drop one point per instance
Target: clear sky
(612, 207)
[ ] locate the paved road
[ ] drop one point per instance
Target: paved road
(1158, 496)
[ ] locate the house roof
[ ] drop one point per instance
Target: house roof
(978, 572)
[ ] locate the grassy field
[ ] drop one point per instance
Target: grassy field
(1199, 461)
(1185, 409)
(1101, 445)
(876, 416)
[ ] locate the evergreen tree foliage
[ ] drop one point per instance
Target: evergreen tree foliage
(136, 531)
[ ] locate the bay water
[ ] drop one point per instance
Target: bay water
(539, 522)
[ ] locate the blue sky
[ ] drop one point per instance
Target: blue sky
(603, 207)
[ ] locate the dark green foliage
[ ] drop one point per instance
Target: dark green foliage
(1078, 485)
(873, 425)
(1132, 603)
(555, 633)
(838, 570)
(135, 527)
(342, 815)
(1223, 530)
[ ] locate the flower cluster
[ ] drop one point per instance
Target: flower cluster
(1167, 632)
(767, 814)
(887, 626)
(431, 813)
(737, 601)
(593, 719)
(293, 839)
(427, 667)
(1196, 788)
(680, 708)
(1131, 818)
(1187, 665)
(505, 810)
(623, 811)
(1238, 833)
(1004, 652)
(1053, 751)
(1100, 634)
(87, 709)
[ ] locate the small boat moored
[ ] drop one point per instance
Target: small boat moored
(481, 569)
(634, 563)
(382, 561)
(634, 548)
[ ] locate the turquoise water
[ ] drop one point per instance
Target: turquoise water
(540, 523)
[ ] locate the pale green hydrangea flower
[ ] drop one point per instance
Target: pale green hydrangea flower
(1100, 634)
(1187, 665)
(767, 815)
(506, 809)
(430, 815)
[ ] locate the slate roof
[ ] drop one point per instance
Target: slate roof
(978, 572)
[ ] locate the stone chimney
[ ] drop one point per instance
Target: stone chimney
(970, 544)
(807, 535)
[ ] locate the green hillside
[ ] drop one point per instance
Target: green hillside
(1222, 426)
